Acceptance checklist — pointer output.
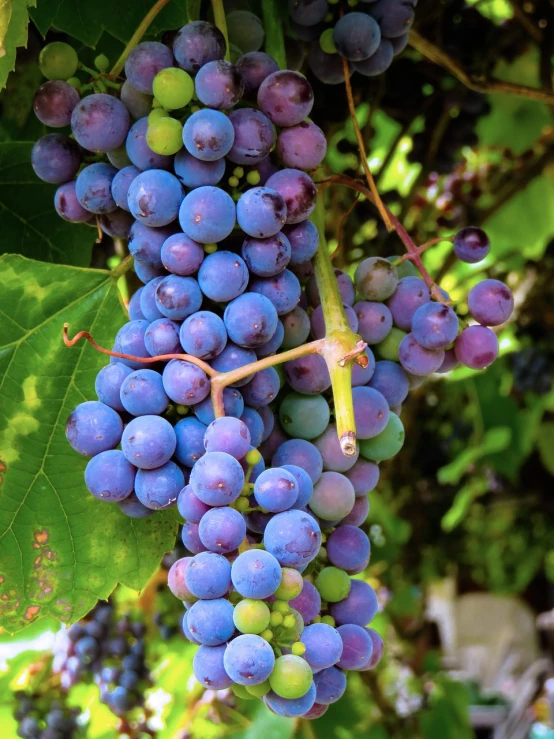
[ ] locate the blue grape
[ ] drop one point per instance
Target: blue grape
(250, 320)
(271, 347)
(471, 244)
(293, 537)
(290, 707)
(100, 122)
(276, 490)
(330, 685)
(450, 362)
(261, 212)
(359, 607)
(185, 383)
(378, 649)
(155, 197)
(130, 340)
(296, 325)
(219, 85)
(256, 574)
(56, 158)
(146, 273)
(208, 135)
(304, 483)
(193, 172)
(233, 405)
(302, 146)
(148, 304)
(178, 297)
(145, 243)
(331, 453)
(371, 412)
(228, 435)
(254, 423)
(191, 539)
(410, 294)
(378, 62)
(308, 375)
(93, 188)
(148, 442)
(189, 506)
(144, 62)
(203, 335)
(135, 313)
(208, 576)
(256, 521)
(327, 68)
(268, 418)
(283, 290)
(249, 659)
(304, 240)
(308, 12)
(181, 255)
(54, 102)
(207, 215)
(262, 388)
(254, 67)
(302, 454)
(391, 381)
(222, 530)
(357, 36)
(121, 183)
(323, 646)
(222, 276)
(67, 206)
(211, 621)
(297, 190)
(142, 393)
(416, 359)
(357, 516)
(233, 357)
(435, 325)
(308, 603)
(93, 428)
(108, 384)
(286, 98)
(399, 43)
(109, 476)
(348, 547)
(266, 257)
(490, 303)
(394, 18)
(208, 667)
(254, 136)
(333, 497)
(137, 103)
(133, 508)
(217, 479)
(357, 646)
(162, 337)
(317, 321)
(374, 321)
(364, 476)
(476, 347)
(198, 43)
(140, 154)
(116, 224)
(189, 434)
(362, 375)
(158, 488)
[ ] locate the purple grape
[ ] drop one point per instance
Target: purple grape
(133, 508)
(121, 183)
(142, 393)
(189, 433)
(328, 68)
(178, 297)
(308, 603)
(262, 388)
(219, 85)
(308, 375)
(140, 154)
(208, 135)
(261, 212)
(268, 418)
(155, 197)
(374, 321)
(290, 707)
(364, 476)
(330, 685)
(189, 506)
(228, 435)
(249, 659)
(256, 573)
(300, 453)
(394, 17)
(56, 158)
(348, 547)
(391, 381)
(450, 361)
(271, 346)
(297, 190)
(308, 12)
(359, 607)
(410, 294)
(357, 516)
(100, 122)
(217, 479)
(254, 67)
(208, 576)
(323, 646)
(378, 649)
(399, 43)
(332, 455)
(223, 276)
(305, 485)
(286, 98)
(371, 412)
(176, 579)
(148, 442)
(276, 490)
(192, 172)
(317, 321)
(234, 357)
(346, 289)
(207, 215)
(191, 539)
(137, 103)
(144, 62)
(211, 621)
(250, 320)
(255, 425)
(476, 347)
(181, 255)
(185, 383)
(116, 224)
(158, 488)
(222, 530)
(203, 335)
(416, 359)
(333, 497)
(145, 243)
(283, 290)
(208, 667)
(108, 384)
(198, 43)
(471, 244)
(378, 62)
(293, 537)
(54, 102)
(93, 188)
(162, 337)
(67, 205)
(266, 257)
(304, 240)
(130, 340)
(357, 36)
(254, 136)
(357, 646)
(109, 476)
(93, 427)
(490, 302)
(148, 303)
(302, 146)
(135, 313)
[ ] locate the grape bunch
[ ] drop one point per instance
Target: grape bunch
(41, 716)
(368, 36)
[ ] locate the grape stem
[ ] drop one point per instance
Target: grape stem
(221, 23)
(274, 36)
(427, 245)
(138, 34)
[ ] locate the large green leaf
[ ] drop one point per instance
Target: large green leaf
(60, 548)
(14, 19)
(86, 21)
(28, 220)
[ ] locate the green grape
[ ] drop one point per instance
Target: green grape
(241, 692)
(101, 62)
(281, 607)
(276, 618)
(241, 505)
(291, 677)
(251, 616)
(333, 584)
(233, 181)
(298, 648)
(157, 113)
(173, 88)
(291, 584)
(75, 82)
(259, 690)
(386, 444)
(404, 269)
(245, 30)
(210, 248)
(165, 136)
(388, 348)
(58, 61)
(253, 457)
(238, 172)
(293, 627)
(329, 620)
(267, 635)
(289, 621)
(327, 42)
(253, 177)
(304, 416)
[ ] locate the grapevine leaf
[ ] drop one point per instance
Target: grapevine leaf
(87, 21)
(14, 19)
(60, 548)
(28, 221)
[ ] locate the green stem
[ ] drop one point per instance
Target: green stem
(274, 36)
(193, 10)
(123, 267)
(138, 34)
(221, 23)
(341, 343)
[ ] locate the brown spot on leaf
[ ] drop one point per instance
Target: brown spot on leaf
(42, 536)
(31, 612)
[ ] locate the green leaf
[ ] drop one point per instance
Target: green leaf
(448, 716)
(28, 220)
(495, 440)
(465, 496)
(545, 442)
(14, 19)
(60, 548)
(266, 724)
(87, 21)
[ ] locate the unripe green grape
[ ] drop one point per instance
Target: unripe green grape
(241, 692)
(253, 457)
(386, 444)
(298, 648)
(327, 42)
(238, 172)
(291, 584)
(251, 616)
(233, 181)
(235, 597)
(173, 87)
(281, 607)
(241, 505)
(329, 620)
(388, 348)
(405, 268)
(210, 248)
(259, 690)
(276, 619)
(333, 584)
(182, 410)
(291, 677)
(292, 632)
(267, 635)
(101, 62)
(58, 61)
(75, 82)
(289, 621)
(253, 177)
(165, 136)
(157, 113)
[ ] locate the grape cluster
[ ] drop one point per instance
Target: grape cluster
(111, 652)
(368, 37)
(39, 716)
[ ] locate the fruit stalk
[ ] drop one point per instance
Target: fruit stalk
(273, 25)
(137, 35)
(221, 22)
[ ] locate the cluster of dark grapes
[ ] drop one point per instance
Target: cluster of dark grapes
(42, 716)
(368, 37)
(109, 651)
(218, 226)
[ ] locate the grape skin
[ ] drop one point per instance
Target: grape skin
(54, 102)
(144, 62)
(249, 659)
(209, 669)
(100, 122)
(93, 428)
(56, 159)
(222, 530)
(158, 488)
(109, 476)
